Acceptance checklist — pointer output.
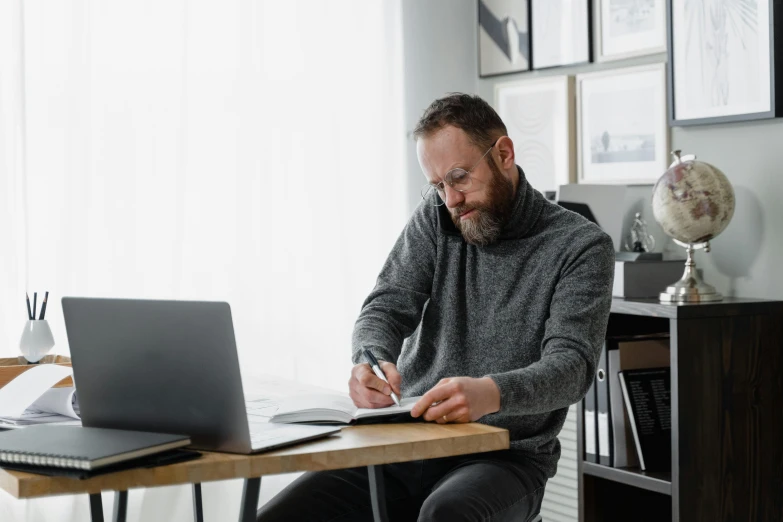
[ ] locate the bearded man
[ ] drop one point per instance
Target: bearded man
(492, 306)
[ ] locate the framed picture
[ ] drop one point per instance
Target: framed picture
(503, 36)
(539, 117)
(623, 135)
(629, 28)
(561, 32)
(724, 60)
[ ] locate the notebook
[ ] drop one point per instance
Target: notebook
(333, 408)
(81, 448)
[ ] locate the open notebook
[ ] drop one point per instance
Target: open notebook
(334, 408)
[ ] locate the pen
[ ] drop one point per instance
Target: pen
(29, 311)
(377, 370)
(35, 305)
(43, 306)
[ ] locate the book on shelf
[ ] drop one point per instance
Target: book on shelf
(647, 397)
(77, 447)
(630, 353)
(338, 409)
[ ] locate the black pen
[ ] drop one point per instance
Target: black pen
(43, 306)
(29, 311)
(35, 305)
(376, 368)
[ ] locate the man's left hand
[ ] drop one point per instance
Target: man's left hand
(458, 399)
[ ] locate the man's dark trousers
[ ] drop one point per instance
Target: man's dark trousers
(496, 486)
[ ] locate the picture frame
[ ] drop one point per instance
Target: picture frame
(503, 37)
(539, 115)
(622, 131)
(630, 28)
(725, 66)
(561, 32)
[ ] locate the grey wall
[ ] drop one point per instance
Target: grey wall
(439, 53)
(440, 56)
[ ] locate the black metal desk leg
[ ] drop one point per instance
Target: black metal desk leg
(249, 509)
(96, 508)
(198, 512)
(120, 506)
(377, 495)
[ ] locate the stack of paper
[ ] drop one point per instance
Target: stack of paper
(30, 399)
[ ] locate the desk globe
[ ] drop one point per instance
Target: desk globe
(693, 202)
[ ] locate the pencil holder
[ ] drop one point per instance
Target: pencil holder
(36, 340)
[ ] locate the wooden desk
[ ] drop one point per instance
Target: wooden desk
(370, 446)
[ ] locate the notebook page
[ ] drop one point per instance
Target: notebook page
(406, 404)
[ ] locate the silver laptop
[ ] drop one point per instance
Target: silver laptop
(167, 366)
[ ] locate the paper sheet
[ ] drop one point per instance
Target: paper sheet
(23, 391)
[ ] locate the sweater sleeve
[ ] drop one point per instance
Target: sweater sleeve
(393, 309)
(574, 334)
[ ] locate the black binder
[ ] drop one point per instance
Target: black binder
(603, 410)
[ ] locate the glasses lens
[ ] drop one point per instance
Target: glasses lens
(427, 194)
(458, 179)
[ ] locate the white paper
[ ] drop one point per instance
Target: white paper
(57, 400)
(20, 393)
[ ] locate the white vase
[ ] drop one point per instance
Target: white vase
(36, 340)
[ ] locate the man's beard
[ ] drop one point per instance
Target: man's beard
(486, 223)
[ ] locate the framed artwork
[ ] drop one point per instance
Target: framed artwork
(561, 32)
(539, 117)
(724, 59)
(629, 28)
(622, 132)
(503, 36)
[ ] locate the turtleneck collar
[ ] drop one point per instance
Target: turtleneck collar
(527, 206)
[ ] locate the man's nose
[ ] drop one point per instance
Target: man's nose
(454, 197)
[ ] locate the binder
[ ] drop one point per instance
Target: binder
(591, 439)
(603, 414)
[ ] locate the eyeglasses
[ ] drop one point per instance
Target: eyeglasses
(458, 179)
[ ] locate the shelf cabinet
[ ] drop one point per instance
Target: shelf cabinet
(727, 418)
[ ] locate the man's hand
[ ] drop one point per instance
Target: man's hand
(369, 391)
(459, 399)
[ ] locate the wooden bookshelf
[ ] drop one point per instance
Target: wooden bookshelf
(727, 418)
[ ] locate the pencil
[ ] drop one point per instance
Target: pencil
(29, 311)
(43, 307)
(35, 306)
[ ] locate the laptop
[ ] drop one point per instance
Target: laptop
(169, 367)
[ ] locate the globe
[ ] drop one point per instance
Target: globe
(693, 202)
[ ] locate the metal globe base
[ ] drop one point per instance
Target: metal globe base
(690, 288)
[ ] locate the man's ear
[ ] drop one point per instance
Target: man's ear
(506, 158)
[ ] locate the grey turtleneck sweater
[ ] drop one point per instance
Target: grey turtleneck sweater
(529, 311)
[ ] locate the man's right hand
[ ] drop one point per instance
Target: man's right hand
(367, 390)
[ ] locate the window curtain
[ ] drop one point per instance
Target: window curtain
(245, 151)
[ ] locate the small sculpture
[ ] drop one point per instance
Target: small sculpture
(639, 239)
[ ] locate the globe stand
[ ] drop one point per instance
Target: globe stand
(690, 288)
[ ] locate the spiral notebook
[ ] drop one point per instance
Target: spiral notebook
(77, 447)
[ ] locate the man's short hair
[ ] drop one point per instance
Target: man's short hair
(470, 113)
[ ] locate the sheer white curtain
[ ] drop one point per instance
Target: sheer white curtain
(247, 151)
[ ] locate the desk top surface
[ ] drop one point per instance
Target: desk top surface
(353, 446)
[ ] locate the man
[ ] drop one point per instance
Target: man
(493, 306)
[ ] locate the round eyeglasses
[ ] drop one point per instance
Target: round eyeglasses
(458, 179)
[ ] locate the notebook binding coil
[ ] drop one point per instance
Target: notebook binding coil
(58, 461)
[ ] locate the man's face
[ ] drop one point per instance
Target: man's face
(481, 212)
